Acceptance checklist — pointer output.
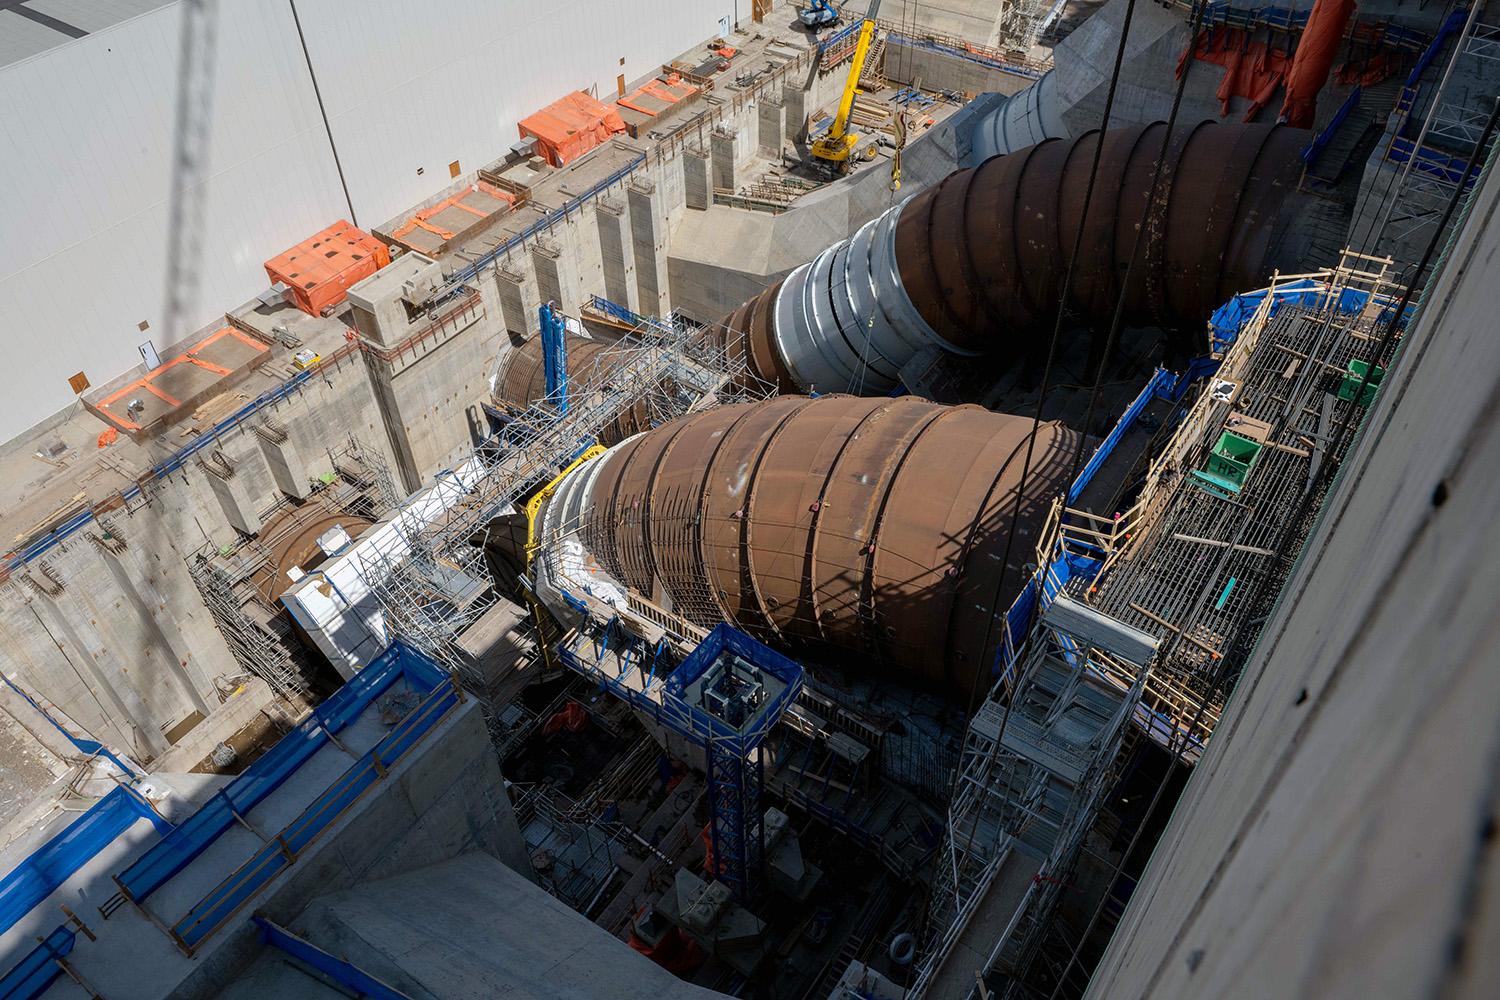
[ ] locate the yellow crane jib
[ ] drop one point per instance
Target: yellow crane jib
(835, 148)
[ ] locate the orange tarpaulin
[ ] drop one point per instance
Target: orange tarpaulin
(669, 90)
(319, 270)
(568, 128)
(1252, 70)
(1315, 52)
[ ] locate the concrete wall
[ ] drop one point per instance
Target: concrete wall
(905, 62)
(470, 929)
(1337, 839)
(445, 799)
(109, 626)
(408, 88)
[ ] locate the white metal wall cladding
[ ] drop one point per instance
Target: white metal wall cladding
(411, 85)
(86, 135)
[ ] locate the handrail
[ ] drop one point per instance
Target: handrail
(191, 837)
(1319, 142)
(245, 882)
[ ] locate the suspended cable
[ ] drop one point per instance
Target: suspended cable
(1140, 232)
(1221, 680)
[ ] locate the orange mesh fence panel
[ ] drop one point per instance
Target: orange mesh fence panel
(566, 129)
(319, 270)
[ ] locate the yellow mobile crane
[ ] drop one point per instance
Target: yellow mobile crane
(834, 150)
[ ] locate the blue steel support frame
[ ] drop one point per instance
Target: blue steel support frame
(555, 355)
(732, 754)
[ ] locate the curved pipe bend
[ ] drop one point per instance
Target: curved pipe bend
(864, 529)
(975, 264)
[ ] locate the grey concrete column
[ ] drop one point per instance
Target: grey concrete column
(156, 622)
(617, 253)
(288, 469)
(518, 301)
(89, 654)
(695, 179)
(556, 275)
(772, 131)
(649, 238)
(796, 103)
(233, 492)
(721, 143)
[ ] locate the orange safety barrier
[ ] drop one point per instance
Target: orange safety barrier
(319, 270)
(566, 129)
(419, 219)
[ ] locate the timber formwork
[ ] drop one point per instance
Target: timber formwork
(1198, 565)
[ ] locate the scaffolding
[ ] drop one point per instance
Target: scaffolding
(1199, 557)
(1035, 763)
(1431, 164)
(575, 854)
(236, 580)
(433, 584)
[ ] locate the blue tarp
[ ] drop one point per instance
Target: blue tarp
(247, 881)
(36, 878)
(340, 970)
(1230, 318)
(92, 748)
(261, 778)
(31, 976)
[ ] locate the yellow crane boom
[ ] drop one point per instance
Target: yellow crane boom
(836, 147)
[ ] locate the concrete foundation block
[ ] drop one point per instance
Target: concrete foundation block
(518, 301)
(772, 131)
(617, 253)
(233, 493)
(796, 102)
(556, 275)
(290, 472)
(695, 179)
(721, 143)
(649, 243)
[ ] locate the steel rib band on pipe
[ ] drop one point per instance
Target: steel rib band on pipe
(871, 527)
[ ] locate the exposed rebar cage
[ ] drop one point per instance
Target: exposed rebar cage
(1196, 566)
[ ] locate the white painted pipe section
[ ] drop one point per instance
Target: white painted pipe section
(1024, 119)
(564, 563)
(844, 322)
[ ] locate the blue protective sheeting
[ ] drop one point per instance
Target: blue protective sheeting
(1231, 317)
(250, 878)
(339, 970)
(36, 878)
(92, 748)
(31, 976)
(261, 778)
(1160, 381)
